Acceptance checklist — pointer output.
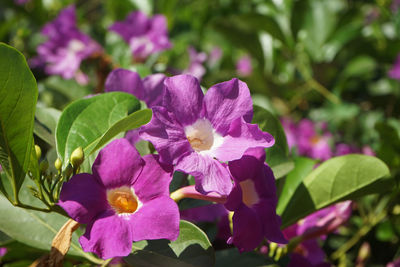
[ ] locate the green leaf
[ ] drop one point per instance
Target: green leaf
(46, 120)
(277, 155)
(233, 258)
(337, 179)
(18, 96)
(192, 248)
(133, 121)
(302, 167)
(85, 122)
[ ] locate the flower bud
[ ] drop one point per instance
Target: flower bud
(77, 157)
(58, 164)
(38, 152)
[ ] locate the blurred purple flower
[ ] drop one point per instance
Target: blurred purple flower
(395, 6)
(215, 56)
(394, 72)
(243, 66)
(367, 150)
(196, 67)
(66, 47)
(312, 144)
(21, 2)
(395, 263)
(3, 251)
(253, 201)
(144, 35)
(197, 132)
(126, 199)
(344, 149)
(318, 225)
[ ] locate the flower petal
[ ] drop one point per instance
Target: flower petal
(184, 98)
(210, 174)
(154, 89)
(156, 219)
(83, 198)
(227, 101)
(240, 137)
(247, 229)
(271, 223)
(166, 135)
(108, 236)
(135, 24)
(125, 81)
(117, 164)
(153, 181)
(207, 213)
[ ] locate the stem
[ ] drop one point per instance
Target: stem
(190, 192)
(323, 91)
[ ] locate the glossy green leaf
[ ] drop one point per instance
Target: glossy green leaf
(133, 121)
(337, 179)
(277, 155)
(192, 248)
(18, 96)
(85, 122)
(302, 167)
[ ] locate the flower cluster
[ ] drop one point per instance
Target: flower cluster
(66, 47)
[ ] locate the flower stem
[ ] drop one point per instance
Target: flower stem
(190, 192)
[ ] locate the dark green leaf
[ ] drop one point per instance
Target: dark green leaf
(192, 248)
(277, 155)
(337, 179)
(18, 96)
(46, 120)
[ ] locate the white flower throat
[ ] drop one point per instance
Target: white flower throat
(202, 137)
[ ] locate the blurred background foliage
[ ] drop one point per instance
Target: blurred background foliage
(323, 60)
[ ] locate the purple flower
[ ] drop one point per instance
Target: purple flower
(150, 89)
(3, 251)
(215, 56)
(290, 131)
(126, 199)
(144, 35)
(394, 72)
(196, 67)
(312, 144)
(253, 201)
(66, 46)
(207, 213)
(395, 263)
(243, 66)
(195, 132)
(395, 6)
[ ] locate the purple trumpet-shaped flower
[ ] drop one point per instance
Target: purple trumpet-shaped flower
(196, 67)
(66, 47)
(253, 201)
(195, 132)
(312, 144)
(394, 72)
(144, 35)
(126, 199)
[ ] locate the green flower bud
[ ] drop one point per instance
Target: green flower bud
(77, 157)
(38, 152)
(58, 164)
(44, 165)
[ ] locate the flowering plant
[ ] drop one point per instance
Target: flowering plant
(150, 133)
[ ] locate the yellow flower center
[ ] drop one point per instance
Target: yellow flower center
(249, 193)
(122, 200)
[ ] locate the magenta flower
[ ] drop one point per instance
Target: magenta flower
(3, 251)
(394, 72)
(243, 66)
(312, 144)
(195, 132)
(215, 56)
(126, 199)
(290, 131)
(144, 35)
(150, 89)
(196, 67)
(253, 201)
(66, 47)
